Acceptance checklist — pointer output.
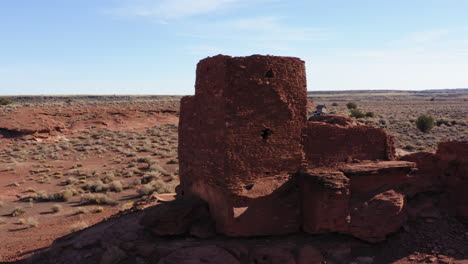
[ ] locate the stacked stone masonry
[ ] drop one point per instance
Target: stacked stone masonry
(247, 150)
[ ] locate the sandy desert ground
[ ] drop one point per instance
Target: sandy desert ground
(69, 162)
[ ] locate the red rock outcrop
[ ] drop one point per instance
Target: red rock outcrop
(373, 219)
(358, 199)
(325, 201)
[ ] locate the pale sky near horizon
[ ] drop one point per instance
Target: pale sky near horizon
(152, 46)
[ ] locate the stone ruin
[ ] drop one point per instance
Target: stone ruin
(252, 165)
(248, 151)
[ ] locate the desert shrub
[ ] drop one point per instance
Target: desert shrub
(78, 226)
(98, 198)
(351, 105)
(409, 147)
(109, 177)
(443, 122)
(96, 186)
(32, 222)
(56, 208)
(116, 186)
(150, 176)
(81, 210)
(334, 104)
(425, 123)
(18, 211)
(70, 181)
(42, 196)
(157, 186)
(99, 209)
(370, 114)
(5, 101)
(30, 189)
(356, 113)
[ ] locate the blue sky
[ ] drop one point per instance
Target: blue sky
(152, 46)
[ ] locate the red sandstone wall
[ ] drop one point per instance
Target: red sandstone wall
(327, 145)
(241, 140)
(453, 161)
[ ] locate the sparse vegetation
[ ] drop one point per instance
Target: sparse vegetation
(99, 209)
(157, 186)
(97, 198)
(351, 105)
(32, 222)
(81, 210)
(18, 211)
(56, 208)
(78, 226)
(425, 123)
(356, 113)
(370, 114)
(5, 101)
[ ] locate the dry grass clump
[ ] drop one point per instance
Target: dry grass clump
(99, 209)
(78, 226)
(100, 186)
(56, 208)
(42, 196)
(98, 198)
(116, 186)
(70, 181)
(157, 186)
(3, 221)
(81, 210)
(18, 211)
(32, 222)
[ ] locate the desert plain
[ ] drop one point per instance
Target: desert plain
(68, 162)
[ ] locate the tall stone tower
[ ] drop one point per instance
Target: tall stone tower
(240, 142)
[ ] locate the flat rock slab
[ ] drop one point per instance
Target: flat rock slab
(366, 168)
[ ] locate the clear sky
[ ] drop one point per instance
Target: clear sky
(152, 46)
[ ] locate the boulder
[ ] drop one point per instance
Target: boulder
(372, 220)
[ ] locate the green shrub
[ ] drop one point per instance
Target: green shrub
(425, 123)
(357, 113)
(335, 104)
(351, 105)
(370, 114)
(5, 101)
